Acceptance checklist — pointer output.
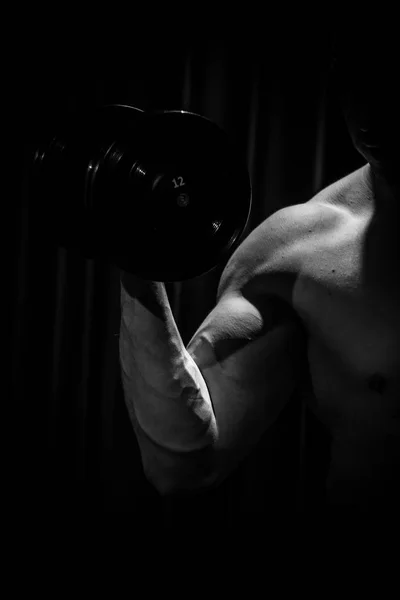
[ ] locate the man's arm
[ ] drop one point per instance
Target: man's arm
(198, 411)
(166, 396)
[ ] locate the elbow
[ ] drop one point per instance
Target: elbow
(183, 474)
(176, 473)
(172, 489)
(183, 482)
(184, 489)
(164, 488)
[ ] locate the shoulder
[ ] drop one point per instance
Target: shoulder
(270, 258)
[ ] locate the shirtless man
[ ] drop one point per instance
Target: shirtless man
(314, 285)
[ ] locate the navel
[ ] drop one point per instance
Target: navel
(377, 383)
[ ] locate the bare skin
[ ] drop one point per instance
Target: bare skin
(341, 279)
(348, 299)
(337, 274)
(335, 269)
(348, 296)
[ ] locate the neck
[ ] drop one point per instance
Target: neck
(384, 196)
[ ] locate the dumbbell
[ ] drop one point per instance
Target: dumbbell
(165, 195)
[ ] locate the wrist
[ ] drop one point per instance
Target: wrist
(151, 294)
(136, 286)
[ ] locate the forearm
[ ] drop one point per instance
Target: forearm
(166, 396)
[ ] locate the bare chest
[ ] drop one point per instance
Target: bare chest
(348, 297)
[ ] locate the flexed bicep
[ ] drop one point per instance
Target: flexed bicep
(248, 360)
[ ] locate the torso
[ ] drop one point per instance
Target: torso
(341, 278)
(348, 297)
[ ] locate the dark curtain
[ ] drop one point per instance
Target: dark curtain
(77, 452)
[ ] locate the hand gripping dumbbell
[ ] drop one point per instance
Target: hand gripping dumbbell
(164, 195)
